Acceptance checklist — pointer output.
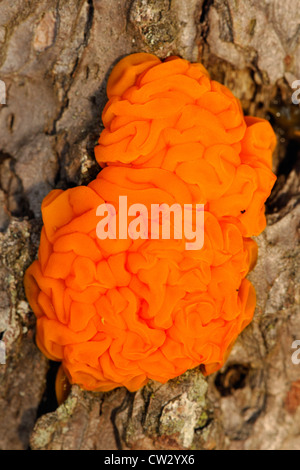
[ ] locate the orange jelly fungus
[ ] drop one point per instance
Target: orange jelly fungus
(118, 312)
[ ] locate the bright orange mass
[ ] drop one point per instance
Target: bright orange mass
(118, 312)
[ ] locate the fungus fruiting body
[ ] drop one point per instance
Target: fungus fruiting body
(120, 311)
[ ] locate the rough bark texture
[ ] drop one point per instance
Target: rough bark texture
(55, 57)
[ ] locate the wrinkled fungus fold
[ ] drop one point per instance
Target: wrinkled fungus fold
(118, 312)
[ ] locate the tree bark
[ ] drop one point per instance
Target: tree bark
(55, 57)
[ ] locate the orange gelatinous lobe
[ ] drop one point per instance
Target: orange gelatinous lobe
(118, 312)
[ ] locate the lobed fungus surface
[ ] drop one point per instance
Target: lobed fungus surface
(118, 312)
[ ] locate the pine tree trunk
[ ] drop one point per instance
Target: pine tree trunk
(55, 57)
